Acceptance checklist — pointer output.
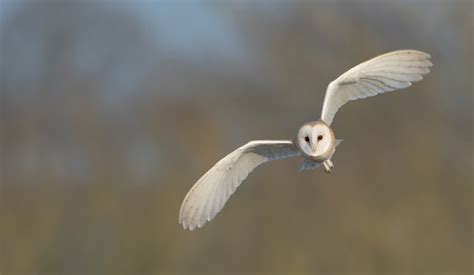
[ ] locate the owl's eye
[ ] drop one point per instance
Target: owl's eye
(320, 137)
(306, 138)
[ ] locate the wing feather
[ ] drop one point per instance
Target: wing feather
(211, 192)
(388, 72)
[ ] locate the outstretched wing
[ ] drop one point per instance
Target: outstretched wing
(210, 193)
(384, 73)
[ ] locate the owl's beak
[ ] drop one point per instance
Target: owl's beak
(314, 143)
(314, 146)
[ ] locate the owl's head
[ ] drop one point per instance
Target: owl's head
(315, 139)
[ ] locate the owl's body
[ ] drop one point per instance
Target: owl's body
(315, 141)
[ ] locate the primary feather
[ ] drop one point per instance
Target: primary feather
(384, 73)
(210, 193)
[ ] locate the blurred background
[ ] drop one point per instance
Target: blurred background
(111, 110)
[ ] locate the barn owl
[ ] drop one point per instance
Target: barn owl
(315, 141)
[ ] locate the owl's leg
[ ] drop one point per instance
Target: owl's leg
(328, 165)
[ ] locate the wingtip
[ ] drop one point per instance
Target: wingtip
(188, 226)
(419, 52)
(191, 226)
(422, 54)
(429, 63)
(425, 54)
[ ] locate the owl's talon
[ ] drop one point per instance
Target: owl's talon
(327, 166)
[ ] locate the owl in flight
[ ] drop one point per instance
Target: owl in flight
(315, 141)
